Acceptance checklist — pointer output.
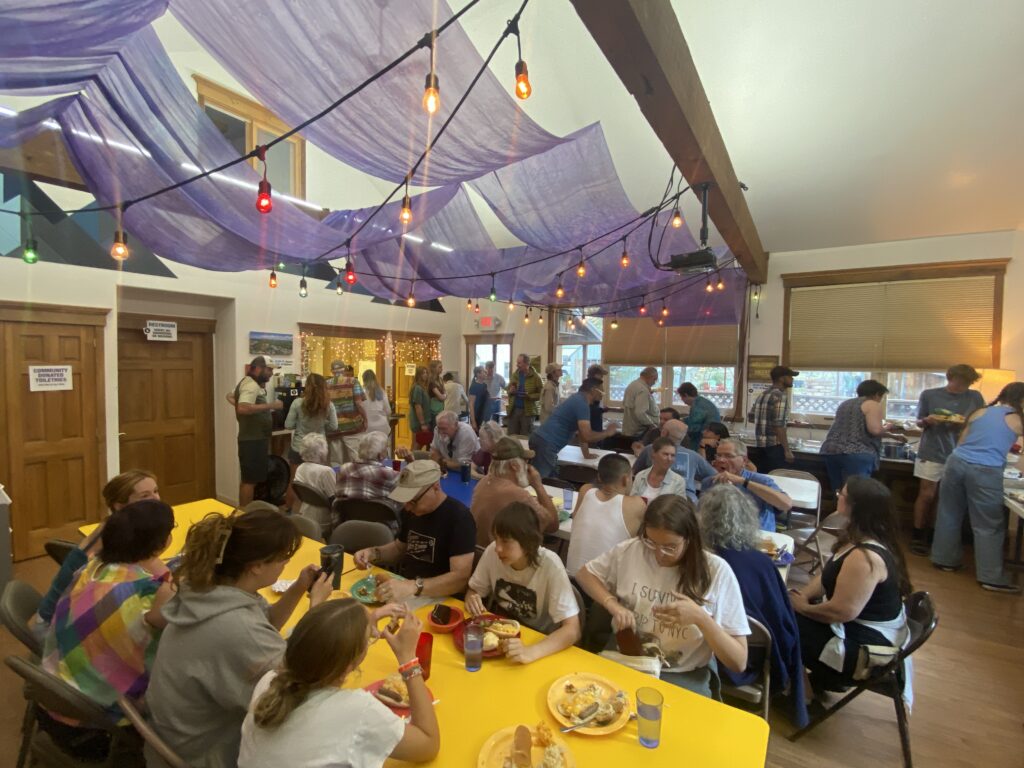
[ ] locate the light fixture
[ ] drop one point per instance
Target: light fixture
(264, 204)
(526, 317)
(273, 279)
(337, 286)
(523, 87)
(303, 288)
(540, 317)
(581, 270)
(410, 300)
(494, 293)
(405, 215)
(709, 288)
(281, 265)
(615, 322)
(119, 250)
(643, 306)
(559, 291)
(469, 305)
(721, 283)
(625, 255)
(661, 322)
(664, 309)
(29, 254)
(476, 308)
(511, 305)
(583, 319)
(677, 219)
(350, 272)
(431, 89)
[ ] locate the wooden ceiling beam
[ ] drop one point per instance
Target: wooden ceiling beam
(643, 42)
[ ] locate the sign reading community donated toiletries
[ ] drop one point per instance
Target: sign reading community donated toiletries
(49, 378)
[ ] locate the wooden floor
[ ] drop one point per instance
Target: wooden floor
(969, 687)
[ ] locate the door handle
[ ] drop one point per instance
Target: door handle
(121, 434)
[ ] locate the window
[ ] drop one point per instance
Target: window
(620, 377)
(481, 349)
(904, 390)
(819, 393)
(247, 124)
(716, 383)
(578, 347)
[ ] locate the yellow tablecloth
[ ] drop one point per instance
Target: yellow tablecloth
(473, 705)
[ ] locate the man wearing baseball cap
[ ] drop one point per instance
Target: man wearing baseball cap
(255, 425)
(549, 397)
(435, 545)
(770, 413)
(507, 480)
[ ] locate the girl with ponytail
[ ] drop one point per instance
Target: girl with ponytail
(300, 715)
(221, 635)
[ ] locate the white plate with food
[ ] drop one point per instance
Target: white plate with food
(281, 586)
(520, 746)
(583, 697)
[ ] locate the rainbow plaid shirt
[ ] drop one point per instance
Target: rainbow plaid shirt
(99, 641)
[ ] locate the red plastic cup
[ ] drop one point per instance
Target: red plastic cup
(397, 465)
(424, 650)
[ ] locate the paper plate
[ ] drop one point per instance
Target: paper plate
(458, 635)
(281, 586)
(397, 709)
(499, 746)
(580, 679)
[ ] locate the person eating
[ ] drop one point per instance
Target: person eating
(730, 459)
(454, 442)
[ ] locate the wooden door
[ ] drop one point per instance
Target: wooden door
(54, 441)
(403, 384)
(165, 392)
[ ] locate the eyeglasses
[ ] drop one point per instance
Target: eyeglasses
(415, 499)
(668, 551)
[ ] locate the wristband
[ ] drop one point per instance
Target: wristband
(746, 483)
(409, 674)
(413, 662)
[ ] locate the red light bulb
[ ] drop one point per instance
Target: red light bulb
(263, 202)
(273, 279)
(350, 273)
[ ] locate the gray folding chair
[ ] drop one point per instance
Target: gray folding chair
(583, 611)
(158, 754)
(59, 549)
(757, 693)
(354, 535)
(307, 527)
(17, 607)
(366, 509)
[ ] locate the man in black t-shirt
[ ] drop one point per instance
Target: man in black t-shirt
(435, 545)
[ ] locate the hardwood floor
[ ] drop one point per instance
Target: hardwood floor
(968, 684)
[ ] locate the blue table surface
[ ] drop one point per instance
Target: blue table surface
(454, 487)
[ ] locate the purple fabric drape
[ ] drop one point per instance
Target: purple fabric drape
(298, 63)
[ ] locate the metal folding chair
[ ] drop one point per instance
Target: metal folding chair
(757, 693)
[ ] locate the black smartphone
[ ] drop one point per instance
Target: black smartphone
(441, 614)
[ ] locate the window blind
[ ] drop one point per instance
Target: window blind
(899, 325)
(639, 341)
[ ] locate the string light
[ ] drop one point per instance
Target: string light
(559, 291)
(526, 317)
(273, 279)
(511, 305)
(29, 254)
(523, 87)
(583, 319)
(263, 202)
(303, 288)
(625, 255)
(405, 215)
(664, 309)
(540, 317)
(615, 322)
(469, 305)
(411, 299)
(119, 250)
(581, 270)
(476, 308)
(643, 306)
(350, 272)
(281, 265)
(431, 93)
(661, 322)
(721, 283)
(337, 286)
(494, 293)
(677, 219)
(709, 288)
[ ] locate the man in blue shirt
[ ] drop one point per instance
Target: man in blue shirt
(570, 417)
(693, 467)
(762, 489)
(702, 412)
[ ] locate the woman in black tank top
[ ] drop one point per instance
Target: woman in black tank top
(865, 580)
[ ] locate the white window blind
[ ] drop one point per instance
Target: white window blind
(639, 341)
(900, 325)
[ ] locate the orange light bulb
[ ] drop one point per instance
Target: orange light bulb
(405, 215)
(431, 94)
(273, 279)
(523, 87)
(677, 219)
(119, 250)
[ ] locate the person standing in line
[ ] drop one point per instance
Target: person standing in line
(599, 373)
(311, 414)
(455, 399)
(550, 396)
(255, 425)
(347, 396)
(376, 405)
(479, 399)
(702, 412)
(570, 417)
(973, 482)
(770, 413)
(523, 397)
(435, 388)
(421, 420)
(495, 384)
(938, 439)
(639, 409)
(338, 368)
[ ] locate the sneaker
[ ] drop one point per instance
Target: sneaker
(947, 568)
(1005, 589)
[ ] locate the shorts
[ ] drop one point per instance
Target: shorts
(252, 460)
(928, 470)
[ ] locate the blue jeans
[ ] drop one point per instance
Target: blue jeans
(546, 459)
(843, 465)
(978, 491)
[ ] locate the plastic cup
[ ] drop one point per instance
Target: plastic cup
(567, 494)
(424, 650)
(473, 646)
(649, 703)
(397, 465)
(331, 558)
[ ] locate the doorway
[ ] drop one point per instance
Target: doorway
(410, 351)
(52, 430)
(165, 399)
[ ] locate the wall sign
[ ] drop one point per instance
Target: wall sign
(410, 369)
(161, 330)
(49, 378)
(759, 367)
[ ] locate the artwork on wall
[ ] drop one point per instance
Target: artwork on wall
(278, 348)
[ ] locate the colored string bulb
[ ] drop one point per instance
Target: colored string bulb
(303, 289)
(581, 270)
(411, 300)
(337, 288)
(263, 202)
(469, 305)
(677, 219)
(661, 322)
(664, 310)
(280, 265)
(493, 295)
(273, 279)
(625, 257)
(405, 215)
(559, 291)
(523, 87)
(615, 322)
(643, 309)
(431, 93)
(476, 308)
(119, 250)
(350, 273)
(29, 254)
(721, 284)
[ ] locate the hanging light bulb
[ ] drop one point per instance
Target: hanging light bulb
(337, 287)
(303, 288)
(661, 322)
(410, 300)
(625, 255)
(29, 254)
(281, 265)
(581, 270)
(540, 317)
(615, 322)
(572, 324)
(643, 306)
(511, 305)
(119, 250)
(677, 219)
(405, 215)
(431, 93)
(721, 283)
(559, 291)
(263, 202)
(350, 272)
(526, 317)
(273, 279)
(476, 308)
(709, 288)
(493, 296)
(469, 305)
(664, 309)
(583, 319)
(523, 87)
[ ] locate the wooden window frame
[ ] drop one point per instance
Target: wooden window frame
(470, 340)
(256, 116)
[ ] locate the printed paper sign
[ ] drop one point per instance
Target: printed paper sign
(161, 330)
(49, 378)
(410, 369)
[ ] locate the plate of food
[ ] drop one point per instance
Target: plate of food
(365, 590)
(496, 629)
(583, 697)
(520, 746)
(281, 586)
(393, 692)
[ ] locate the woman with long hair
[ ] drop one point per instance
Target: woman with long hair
(376, 404)
(311, 413)
(857, 599)
(221, 635)
(421, 420)
(682, 602)
(972, 483)
(301, 716)
(122, 490)
(435, 370)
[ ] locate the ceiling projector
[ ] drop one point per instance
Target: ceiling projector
(700, 260)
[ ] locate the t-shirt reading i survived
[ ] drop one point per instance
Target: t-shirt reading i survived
(630, 572)
(431, 540)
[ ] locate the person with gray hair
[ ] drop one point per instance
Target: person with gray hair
(490, 433)
(639, 409)
(693, 467)
(730, 459)
(314, 472)
(368, 477)
(454, 441)
(728, 519)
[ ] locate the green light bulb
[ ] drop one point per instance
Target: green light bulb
(29, 254)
